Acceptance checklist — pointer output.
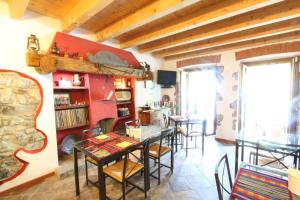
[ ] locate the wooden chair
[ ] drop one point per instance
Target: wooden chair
(124, 169)
(166, 125)
(219, 173)
(156, 151)
(193, 129)
(93, 132)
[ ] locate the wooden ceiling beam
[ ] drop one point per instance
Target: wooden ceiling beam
(250, 34)
(149, 13)
(215, 12)
(17, 8)
(286, 37)
(81, 12)
(288, 9)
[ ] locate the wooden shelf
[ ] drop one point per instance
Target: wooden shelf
(70, 88)
(66, 107)
(123, 102)
(65, 128)
(45, 64)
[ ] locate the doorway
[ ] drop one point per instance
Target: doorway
(267, 92)
(198, 88)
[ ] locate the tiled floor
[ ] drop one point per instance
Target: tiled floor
(193, 178)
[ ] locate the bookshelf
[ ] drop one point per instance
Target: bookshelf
(71, 106)
(125, 101)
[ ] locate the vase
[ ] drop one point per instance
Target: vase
(76, 80)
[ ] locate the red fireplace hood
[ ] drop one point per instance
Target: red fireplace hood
(72, 44)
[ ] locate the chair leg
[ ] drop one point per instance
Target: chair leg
(123, 190)
(186, 146)
(86, 173)
(181, 141)
(172, 161)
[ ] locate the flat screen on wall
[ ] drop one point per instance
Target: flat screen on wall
(166, 78)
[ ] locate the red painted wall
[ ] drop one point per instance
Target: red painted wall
(99, 86)
(100, 107)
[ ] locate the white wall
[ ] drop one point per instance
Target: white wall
(147, 95)
(13, 40)
(170, 65)
(224, 131)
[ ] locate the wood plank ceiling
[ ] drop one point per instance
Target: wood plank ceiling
(175, 29)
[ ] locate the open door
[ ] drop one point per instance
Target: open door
(268, 101)
(198, 92)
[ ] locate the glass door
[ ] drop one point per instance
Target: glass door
(199, 96)
(268, 91)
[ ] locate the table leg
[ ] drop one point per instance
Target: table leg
(101, 184)
(76, 172)
(256, 159)
(147, 167)
(236, 157)
(242, 153)
(176, 142)
(299, 159)
(203, 133)
(172, 154)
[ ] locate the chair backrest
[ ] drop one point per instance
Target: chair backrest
(164, 134)
(92, 132)
(165, 120)
(129, 151)
(190, 126)
(219, 173)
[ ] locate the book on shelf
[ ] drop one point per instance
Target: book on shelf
(71, 118)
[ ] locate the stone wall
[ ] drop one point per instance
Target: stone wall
(20, 103)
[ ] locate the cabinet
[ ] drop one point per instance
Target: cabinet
(144, 117)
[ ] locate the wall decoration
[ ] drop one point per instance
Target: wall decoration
(219, 97)
(218, 73)
(233, 105)
(235, 88)
(107, 58)
(235, 75)
(20, 103)
(234, 124)
(220, 118)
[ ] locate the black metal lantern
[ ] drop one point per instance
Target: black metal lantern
(33, 44)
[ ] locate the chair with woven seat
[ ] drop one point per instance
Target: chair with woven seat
(193, 129)
(156, 151)
(124, 169)
(222, 186)
(87, 133)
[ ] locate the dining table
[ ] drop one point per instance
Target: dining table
(106, 148)
(179, 120)
(284, 144)
(261, 183)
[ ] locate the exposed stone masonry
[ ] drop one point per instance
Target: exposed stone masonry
(19, 100)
